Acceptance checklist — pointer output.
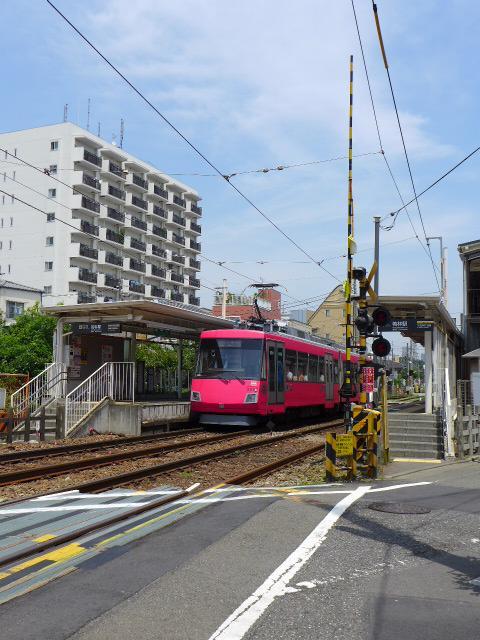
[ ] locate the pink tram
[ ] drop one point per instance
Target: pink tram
(246, 377)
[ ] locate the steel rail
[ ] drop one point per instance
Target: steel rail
(44, 452)
(98, 526)
(42, 471)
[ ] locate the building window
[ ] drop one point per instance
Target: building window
(9, 268)
(11, 222)
(50, 217)
(327, 335)
(14, 309)
(15, 152)
(14, 175)
(1, 222)
(10, 242)
(52, 170)
(3, 199)
(48, 266)
(47, 289)
(49, 241)
(1, 246)
(52, 193)
(327, 313)
(54, 145)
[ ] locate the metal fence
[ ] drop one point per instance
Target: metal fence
(114, 380)
(39, 391)
(467, 424)
(153, 380)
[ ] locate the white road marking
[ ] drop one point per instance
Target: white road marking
(475, 582)
(475, 540)
(237, 625)
(73, 507)
(399, 486)
(89, 496)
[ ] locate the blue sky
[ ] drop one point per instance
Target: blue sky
(259, 83)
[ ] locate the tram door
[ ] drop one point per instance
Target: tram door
(276, 372)
(329, 374)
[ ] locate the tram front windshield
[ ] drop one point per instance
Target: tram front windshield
(230, 358)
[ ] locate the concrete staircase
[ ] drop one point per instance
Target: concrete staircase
(415, 435)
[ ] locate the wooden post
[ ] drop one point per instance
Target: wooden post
(60, 422)
(10, 426)
(41, 431)
(26, 433)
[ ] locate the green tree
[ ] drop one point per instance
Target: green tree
(26, 345)
(165, 357)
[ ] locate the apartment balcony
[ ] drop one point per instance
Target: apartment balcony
(136, 265)
(136, 287)
(158, 251)
(136, 181)
(87, 158)
(84, 204)
(112, 193)
(157, 292)
(158, 272)
(195, 246)
(134, 243)
(156, 190)
(195, 209)
(155, 210)
(115, 214)
(112, 236)
(194, 264)
(79, 274)
(160, 232)
(136, 203)
(178, 239)
(136, 223)
(85, 298)
(179, 202)
(108, 257)
(176, 219)
(193, 300)
(88, 227)
(196, 228)
(177, 277)
(113, 169)
(177, 297)
(108, 281)
(80, 250)
(193, 282)
(178, 259)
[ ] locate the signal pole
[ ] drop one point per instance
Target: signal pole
(377, 219)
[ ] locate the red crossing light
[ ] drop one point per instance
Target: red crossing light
(381, 347)
(381, 316)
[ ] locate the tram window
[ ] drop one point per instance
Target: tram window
(280, 371)
(291, 365)
(271, 368)
(312, 368)
(303, 367)
(321, 369)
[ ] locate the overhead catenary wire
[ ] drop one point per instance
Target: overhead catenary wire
(188, 142)
(385, 62)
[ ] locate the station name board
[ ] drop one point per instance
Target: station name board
(96, 327)
(409, 324)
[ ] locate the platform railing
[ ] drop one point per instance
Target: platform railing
(39, 391)
(113, 380)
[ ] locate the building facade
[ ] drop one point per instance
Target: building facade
(328, 321)
(15, 298)
(470, 256)
(122, 229)
(240, 307)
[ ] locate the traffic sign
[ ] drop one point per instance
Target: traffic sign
(368, 379)
(344, 445)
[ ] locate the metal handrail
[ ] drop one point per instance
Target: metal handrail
(40, 390)
(114, 380)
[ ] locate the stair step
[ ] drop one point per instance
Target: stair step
(401, 431)
(416, 437)
(414, 453)
(408, 444)
(414, 417)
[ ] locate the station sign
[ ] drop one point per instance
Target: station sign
(409, 324)
(89, 328)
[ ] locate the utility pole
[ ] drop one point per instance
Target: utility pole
(376, 220)
(224, 298)
(443, 274)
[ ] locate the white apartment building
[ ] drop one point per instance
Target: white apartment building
(131, 231)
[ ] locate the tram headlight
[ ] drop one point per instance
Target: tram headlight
(195, 396)
(251, 398)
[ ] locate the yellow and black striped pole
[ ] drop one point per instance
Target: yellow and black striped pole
(348, 385)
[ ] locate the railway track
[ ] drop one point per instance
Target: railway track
(115, 481)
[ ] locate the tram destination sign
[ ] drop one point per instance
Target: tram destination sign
(96, 327)
(409, 324)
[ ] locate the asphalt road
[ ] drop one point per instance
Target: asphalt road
(372, 574)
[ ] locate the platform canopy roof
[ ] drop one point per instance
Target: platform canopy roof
(421, 308)
(176, 319)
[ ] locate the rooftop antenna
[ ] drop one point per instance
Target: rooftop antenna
(122, 132)
(65, 112)
(88, 115)
(114, 139)
(98, 130)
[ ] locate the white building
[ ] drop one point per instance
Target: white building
(131, 232)
(15, 298)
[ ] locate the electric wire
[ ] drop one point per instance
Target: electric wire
(188, 142)
(382, 47)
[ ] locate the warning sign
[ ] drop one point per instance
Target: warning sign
(344, 445)
(368, 379)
